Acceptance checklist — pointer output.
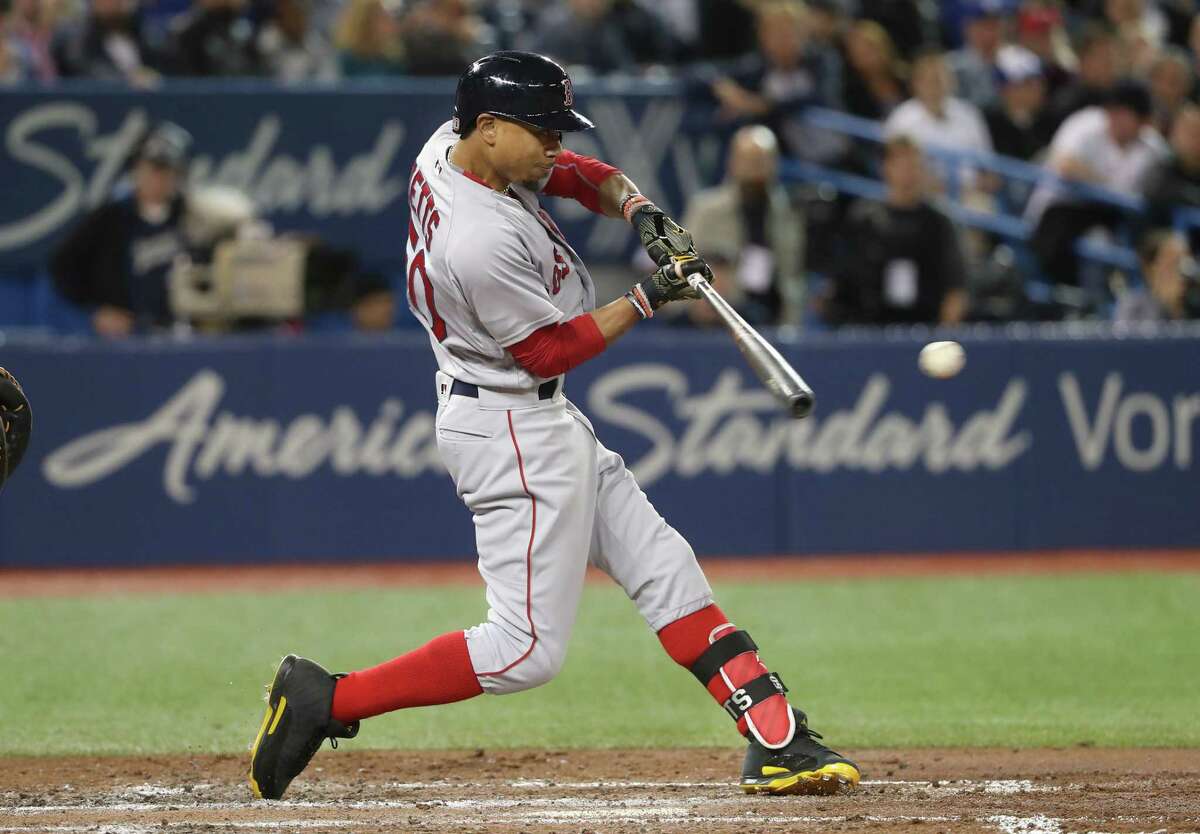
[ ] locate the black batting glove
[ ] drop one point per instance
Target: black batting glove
(662, 237)
(667, 283)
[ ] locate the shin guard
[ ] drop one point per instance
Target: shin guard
(725, 661)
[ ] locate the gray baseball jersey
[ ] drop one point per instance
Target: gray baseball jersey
(485, 269)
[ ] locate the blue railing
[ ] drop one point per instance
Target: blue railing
(1013, 227)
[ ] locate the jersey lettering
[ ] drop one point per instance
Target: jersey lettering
(561, 270)
(436, 324)
(421, 207)
(423, 211)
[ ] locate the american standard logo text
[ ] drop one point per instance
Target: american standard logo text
(276, 181)
(202, 443)
(724, 429)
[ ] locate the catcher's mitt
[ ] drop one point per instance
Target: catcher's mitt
(16, 421)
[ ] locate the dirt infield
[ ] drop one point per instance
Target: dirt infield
(919, 791)
(154, 580)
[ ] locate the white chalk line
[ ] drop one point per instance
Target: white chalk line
(549, 810)
(127, 798)
(989, 786)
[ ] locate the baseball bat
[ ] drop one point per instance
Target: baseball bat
(779, 377)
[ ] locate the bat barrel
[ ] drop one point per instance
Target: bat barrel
(802, 404)
(779, 377)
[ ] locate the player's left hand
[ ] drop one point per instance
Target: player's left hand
(667, 283)
(663, 238)
(15, 424)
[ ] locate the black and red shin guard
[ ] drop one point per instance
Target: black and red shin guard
(725, 661)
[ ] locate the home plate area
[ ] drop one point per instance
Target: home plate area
(999, 791)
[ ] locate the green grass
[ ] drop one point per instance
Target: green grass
(1107, 660)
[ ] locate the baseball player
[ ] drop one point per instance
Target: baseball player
(510, 309)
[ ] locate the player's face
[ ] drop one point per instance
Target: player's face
(524, 153)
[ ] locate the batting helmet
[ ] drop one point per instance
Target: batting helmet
(521, 86)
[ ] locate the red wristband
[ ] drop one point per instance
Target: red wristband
(632, 203)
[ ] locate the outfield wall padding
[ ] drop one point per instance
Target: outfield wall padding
(321, 448)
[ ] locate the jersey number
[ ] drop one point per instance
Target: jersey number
(417, 264)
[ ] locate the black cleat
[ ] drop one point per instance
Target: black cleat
(806, 766)
(297, 722)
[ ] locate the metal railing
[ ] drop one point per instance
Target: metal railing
(1011, 226)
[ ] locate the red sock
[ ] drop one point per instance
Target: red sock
(687, 638)
(439, 672)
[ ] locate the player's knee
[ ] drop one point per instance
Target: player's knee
(540, 666)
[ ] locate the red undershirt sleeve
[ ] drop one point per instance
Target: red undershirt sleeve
(557, 348)
(579, 177)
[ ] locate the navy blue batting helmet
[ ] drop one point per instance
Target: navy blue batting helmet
(521, 86)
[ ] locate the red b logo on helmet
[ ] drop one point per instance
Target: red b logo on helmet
(568, 93)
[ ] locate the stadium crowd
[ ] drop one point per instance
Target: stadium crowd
(1095, 92)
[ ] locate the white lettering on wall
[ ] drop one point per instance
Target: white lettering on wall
(1114, 421)
(278, 182)
(722, 430)
(731, 428)
(202, 444)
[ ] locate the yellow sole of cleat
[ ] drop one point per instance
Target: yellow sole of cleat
(821, 782)
(254, 751)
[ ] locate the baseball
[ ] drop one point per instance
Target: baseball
(942, 360)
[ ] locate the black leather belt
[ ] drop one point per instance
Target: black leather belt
(546, 390)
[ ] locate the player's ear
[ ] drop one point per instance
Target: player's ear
(487, 125)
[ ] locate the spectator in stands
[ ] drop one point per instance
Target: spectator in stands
(292, 49)
(1172, 285)
(752, 218)
(116, 260)
(368, 40)
(1113, 147)
(905, 263)
(30, 30)
(1175, 183)
(1193, 43)
(442, 37)
(1141, 30)
(1040, 30)
(785, 76)
(1100, 66)
(584, 33)
(934, 118)
(826, 24)
(1018, 123)
(652, 41)
(109, 44)
(726, 29)
(679, 21)
(11, 69)
(1171, 84)
(974, 65)
(907, 21)
(216, 38)
(874, 82)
